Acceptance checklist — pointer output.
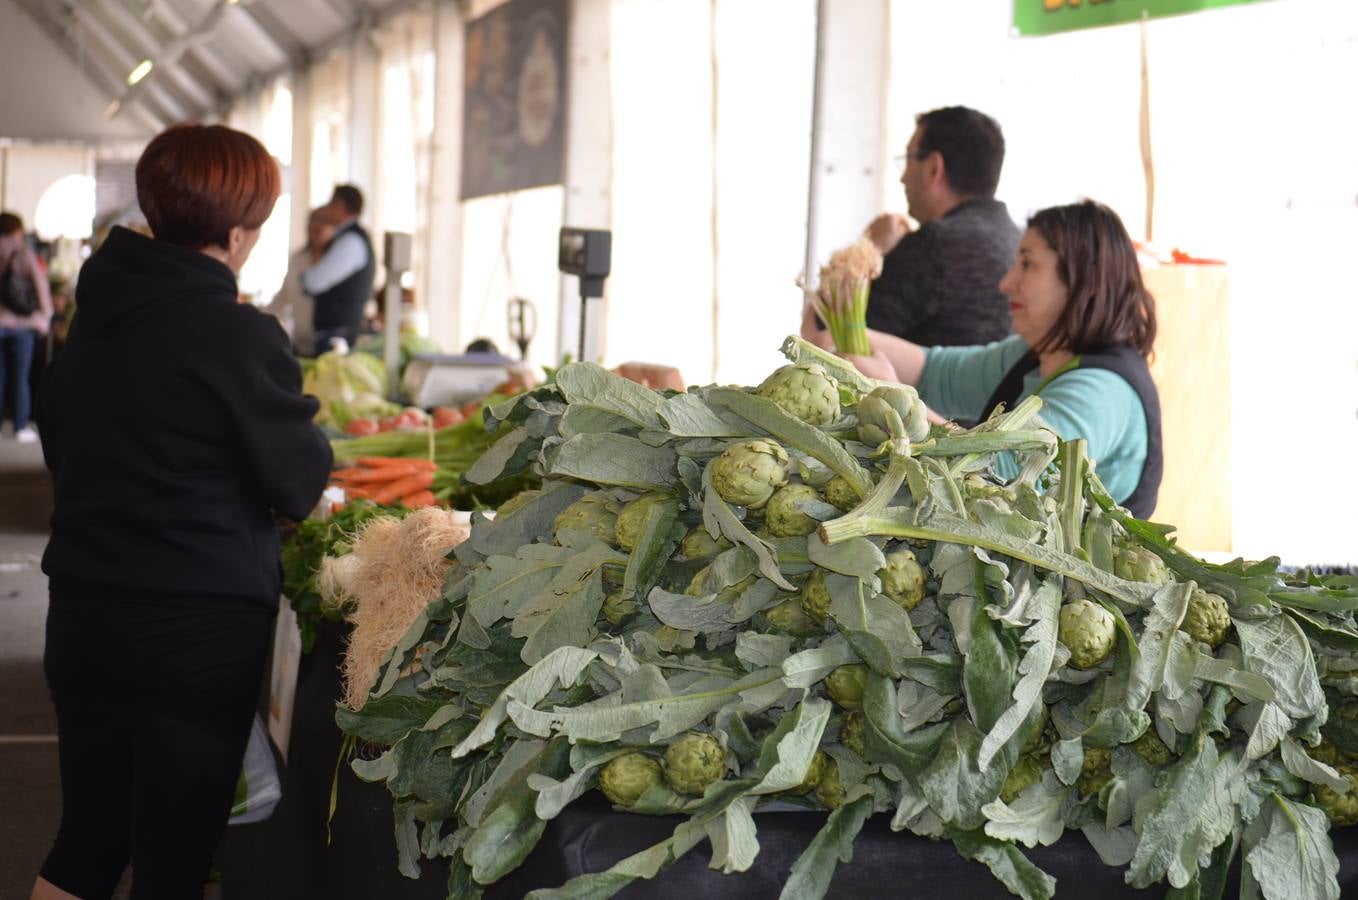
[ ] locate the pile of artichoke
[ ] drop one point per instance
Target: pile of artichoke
(801, 595)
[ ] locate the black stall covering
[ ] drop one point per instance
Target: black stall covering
(289, 856)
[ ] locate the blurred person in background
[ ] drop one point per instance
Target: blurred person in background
(938, 283)
(341, 281)
(175, 428)
(293, 306)
(25, 313)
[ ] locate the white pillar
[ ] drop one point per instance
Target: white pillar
(364, 121)
(588, 201)
(443, 258)
(848, 150)
(299, 171)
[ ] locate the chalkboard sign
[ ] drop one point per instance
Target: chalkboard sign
(513, 119)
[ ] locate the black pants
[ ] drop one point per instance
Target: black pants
(154, 697)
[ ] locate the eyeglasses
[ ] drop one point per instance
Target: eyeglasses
(904, 158)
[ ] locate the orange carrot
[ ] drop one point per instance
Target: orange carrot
(387, 462)
(360, 493)
(419, 499)
(403, 486)
(379, 475)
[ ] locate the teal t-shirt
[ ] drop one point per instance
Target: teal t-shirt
(1094, 404)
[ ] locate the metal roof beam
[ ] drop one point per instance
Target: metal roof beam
(127, 58)
(269, 25)
(96, 69)
(137, 36)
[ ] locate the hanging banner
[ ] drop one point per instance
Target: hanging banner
(1038, 17)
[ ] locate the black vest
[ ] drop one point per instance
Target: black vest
(1130, 366)
(341, 307)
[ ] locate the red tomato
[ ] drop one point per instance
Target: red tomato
(445, 416)
(390, 423)
(361, 427)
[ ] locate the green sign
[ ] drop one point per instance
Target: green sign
(1036, 17)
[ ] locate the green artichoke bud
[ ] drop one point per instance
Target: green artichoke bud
(1207, 619)
(840, 494)
(617, 610)
(874, 420)
(697, 585)
(854, 732)
(518, 500)
(782, 516)
(698, 544)
(1151, 749)
(627, 777)
(1026, 773)
(814, 773)
(1132, 562)
(789, 618)
(1088, 631)
(903, 579)
(693, 762)
(592, 513)
(830, 791)
(1096, 771)
(1341, 808)
(748, 473)
(845, 685)
(1328, 753)
(816, 597)
(632, 518)
(807, 392)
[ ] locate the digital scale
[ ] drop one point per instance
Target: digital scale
(434, 379)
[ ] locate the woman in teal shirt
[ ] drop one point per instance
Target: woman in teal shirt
(1084, 324)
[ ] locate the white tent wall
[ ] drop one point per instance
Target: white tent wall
(29, 170)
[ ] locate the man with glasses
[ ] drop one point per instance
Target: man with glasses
(940, 283)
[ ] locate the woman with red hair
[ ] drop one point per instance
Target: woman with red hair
(175, 428)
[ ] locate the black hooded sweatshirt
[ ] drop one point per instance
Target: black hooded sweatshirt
(174, 425)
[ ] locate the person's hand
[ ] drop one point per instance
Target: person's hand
(886, 231)
(652, 375)
(812, 331)
(875, 366)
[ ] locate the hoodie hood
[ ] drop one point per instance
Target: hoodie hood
(132, 275)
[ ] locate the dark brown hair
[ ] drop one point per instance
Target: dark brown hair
(197, 182)
(349, 197)
(971, 144)
(1106, 302)
(10, 223)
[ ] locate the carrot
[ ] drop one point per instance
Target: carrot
(359, 493)
(379, 475)
(419, 499)
(393, 462)
(403, 486)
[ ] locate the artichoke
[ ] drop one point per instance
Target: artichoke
(1088, 631)
(1328, 753)
(1133, 562)
(903, 579)
(840, 494)
(693, 762)
(789, 618)
(875, 423)
(845, 685)
(807, 392)
(1151, 749)
(1096, 771)
(518, 500)
(782, 516)
(698, 544)
(814, 772)
(816, 597)
(617, 610)
(627, 777)
(592, 513)
(854, 732)
(632, 518)
(748, 473)
(1341, 808)
(1026, 773)
(1207, 619)
(830, 790)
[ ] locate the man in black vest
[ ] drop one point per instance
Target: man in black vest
(341, 281)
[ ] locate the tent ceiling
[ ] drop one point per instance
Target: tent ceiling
(78, 54)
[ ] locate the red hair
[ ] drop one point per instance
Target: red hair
(197, 182)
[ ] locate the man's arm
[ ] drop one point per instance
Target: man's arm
(347, 255)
